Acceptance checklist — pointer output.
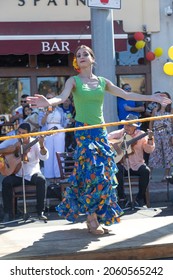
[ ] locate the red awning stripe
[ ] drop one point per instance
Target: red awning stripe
(49, 28)
(51, 37)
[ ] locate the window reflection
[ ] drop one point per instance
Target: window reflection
(49, 84)
(14, 60)
(54, 60)
(130, 57)
(137, 82)
(11, 90)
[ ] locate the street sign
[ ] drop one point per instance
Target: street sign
(105, 4)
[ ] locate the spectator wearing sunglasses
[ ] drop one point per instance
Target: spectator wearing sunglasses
(18, 112)
(126, 107)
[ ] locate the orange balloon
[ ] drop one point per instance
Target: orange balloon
(168, 68)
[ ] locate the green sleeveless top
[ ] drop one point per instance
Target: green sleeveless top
(89, 102)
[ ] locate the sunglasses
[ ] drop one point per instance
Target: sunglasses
(22, 101)
(127, 88)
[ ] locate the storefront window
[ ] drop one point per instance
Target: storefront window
(54, 60)
(11, 90)
(130, 57)
(137, 82)
(49, 84)
(14, 60)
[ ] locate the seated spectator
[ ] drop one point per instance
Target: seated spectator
(27, 110)
(2, 122)
(31, 171)
(134, 161)
(151, 106)
(31, 116)
(18, 112)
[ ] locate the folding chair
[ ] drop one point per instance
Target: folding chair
(30, 192)
(66, 166)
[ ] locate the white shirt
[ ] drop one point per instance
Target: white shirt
(32, 166)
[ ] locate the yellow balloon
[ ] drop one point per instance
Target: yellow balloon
(168, 68)
(158, 52)
(170, 52)
(140, 44)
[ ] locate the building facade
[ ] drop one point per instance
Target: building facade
(38, 39)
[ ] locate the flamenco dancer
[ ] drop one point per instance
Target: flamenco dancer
(93, 181)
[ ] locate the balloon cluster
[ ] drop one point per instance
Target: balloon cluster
(168, 67)
(139, 42)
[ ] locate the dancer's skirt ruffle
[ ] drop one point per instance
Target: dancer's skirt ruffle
(93, 181)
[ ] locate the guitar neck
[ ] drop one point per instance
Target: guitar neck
(133, 140)
(29, 145)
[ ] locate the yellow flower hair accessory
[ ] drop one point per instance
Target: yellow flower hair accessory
(75, 65)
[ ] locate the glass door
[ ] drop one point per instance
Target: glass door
(50, 84)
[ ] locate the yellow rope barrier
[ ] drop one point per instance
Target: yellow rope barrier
(86, 127)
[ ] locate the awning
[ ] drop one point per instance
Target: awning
(51, 37)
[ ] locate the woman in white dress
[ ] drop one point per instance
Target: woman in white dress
(54, 116)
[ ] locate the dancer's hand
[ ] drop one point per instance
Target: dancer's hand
(162, 99)
(37, 101)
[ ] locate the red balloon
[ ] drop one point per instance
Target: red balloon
(150, 56)
(139, 36)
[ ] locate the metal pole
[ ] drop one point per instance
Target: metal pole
(102, 32)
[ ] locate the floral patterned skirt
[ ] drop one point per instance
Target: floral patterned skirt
(93, 182)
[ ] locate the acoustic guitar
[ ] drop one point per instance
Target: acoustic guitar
(11, 163)
(124, 145)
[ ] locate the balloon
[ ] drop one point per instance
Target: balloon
(133, 49)
(170, 52)
(131, 41)
(158, 52)
(139, 36)
(168, 68)
(140, 44)
(141, 61)
(150, 56)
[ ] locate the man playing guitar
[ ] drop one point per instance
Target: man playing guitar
(34, 152)
(133, 157)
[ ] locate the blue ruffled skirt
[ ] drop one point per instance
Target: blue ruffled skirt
(93, 182)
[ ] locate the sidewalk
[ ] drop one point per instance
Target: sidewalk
(158, 189)
(149, 234)
(141, 234)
